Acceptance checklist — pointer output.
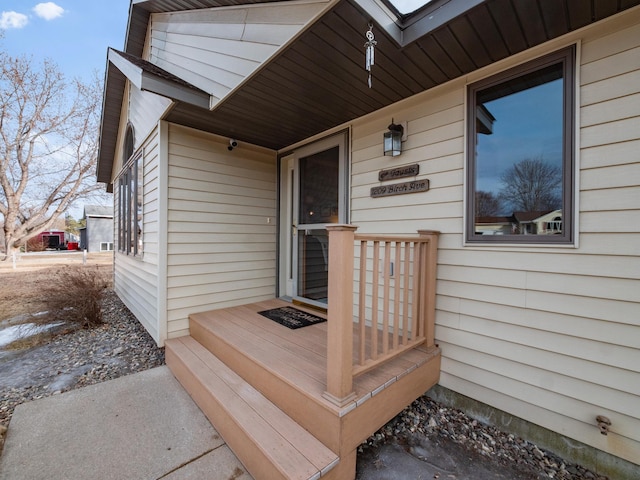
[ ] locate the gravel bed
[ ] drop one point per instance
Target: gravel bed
(121, 346)
(118, 347)
(428, 419)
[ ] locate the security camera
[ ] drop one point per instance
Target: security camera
(232, 144)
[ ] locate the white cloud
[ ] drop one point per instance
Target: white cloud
(13, 20)
(48, 10)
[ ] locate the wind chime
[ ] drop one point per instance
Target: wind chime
(370, 45)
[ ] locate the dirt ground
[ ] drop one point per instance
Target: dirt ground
(21, 289)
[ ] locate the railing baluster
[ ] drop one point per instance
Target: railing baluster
(422, 290)
(374, 300)
(362, 307)
(396, 294)
(405, 305)
(385, 299)
(415, 297)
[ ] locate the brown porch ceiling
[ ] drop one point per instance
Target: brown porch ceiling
(319, 81)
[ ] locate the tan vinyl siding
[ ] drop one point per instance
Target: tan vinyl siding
(145, 109)
(548, 334)
(216, 49)
(136, 278)
(221, 225)
(119, 153)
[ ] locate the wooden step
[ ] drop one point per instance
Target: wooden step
(267, 441)
(288, 371)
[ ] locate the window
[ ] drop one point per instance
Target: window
(130, 200)
(130, 208)
(106, 246)
(407, 7)
(129, 142)
(520, 164)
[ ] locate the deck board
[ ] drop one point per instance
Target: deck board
(311, 338)
(298, 370)
(286, 445)
(298, 356)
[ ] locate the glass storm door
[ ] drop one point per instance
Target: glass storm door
(313, 187)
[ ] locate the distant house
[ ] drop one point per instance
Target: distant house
(527, 223)
(97, 235)
(522, 223)
(241, 137)
(493, 225)
(549, 223)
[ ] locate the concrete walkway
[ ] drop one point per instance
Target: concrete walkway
(145, 426)
(142, 426)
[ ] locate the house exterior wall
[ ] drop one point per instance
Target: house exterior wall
(221, 225)
(136, 278)
(548, 334)
(216, 49)
(144, 111)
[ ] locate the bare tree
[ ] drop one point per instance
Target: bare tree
(48, 146)
(487, 204)
(532, 185)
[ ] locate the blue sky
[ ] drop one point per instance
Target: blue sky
(528, 125)
(74, 34)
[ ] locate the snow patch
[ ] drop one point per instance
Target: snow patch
(17, 332)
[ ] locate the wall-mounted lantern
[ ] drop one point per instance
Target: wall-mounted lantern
(393, 140)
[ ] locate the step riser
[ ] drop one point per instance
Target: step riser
(304, 409)
(239, 442)
(264, 438)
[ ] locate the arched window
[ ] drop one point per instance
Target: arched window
(130, 198)
(128, 143)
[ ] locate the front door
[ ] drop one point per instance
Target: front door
(313, 195)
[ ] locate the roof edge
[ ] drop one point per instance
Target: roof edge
(148, 77)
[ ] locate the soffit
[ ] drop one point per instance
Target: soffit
(319, 82)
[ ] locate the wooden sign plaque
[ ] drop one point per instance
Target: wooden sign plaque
(400, 172)
(400, 188)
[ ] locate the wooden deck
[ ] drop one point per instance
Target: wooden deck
(289, 368)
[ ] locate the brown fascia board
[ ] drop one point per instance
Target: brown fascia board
(113, 86)
(150, 78)
(137, 24)
(146, 77)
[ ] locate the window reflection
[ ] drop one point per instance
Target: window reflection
(519, 155)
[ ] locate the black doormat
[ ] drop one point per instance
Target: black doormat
(291, 317)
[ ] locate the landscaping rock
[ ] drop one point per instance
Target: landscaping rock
(436, 441)
(119, 346)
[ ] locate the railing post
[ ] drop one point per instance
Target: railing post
(340, 315)
(431, 262)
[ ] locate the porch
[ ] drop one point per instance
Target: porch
(296, 403)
